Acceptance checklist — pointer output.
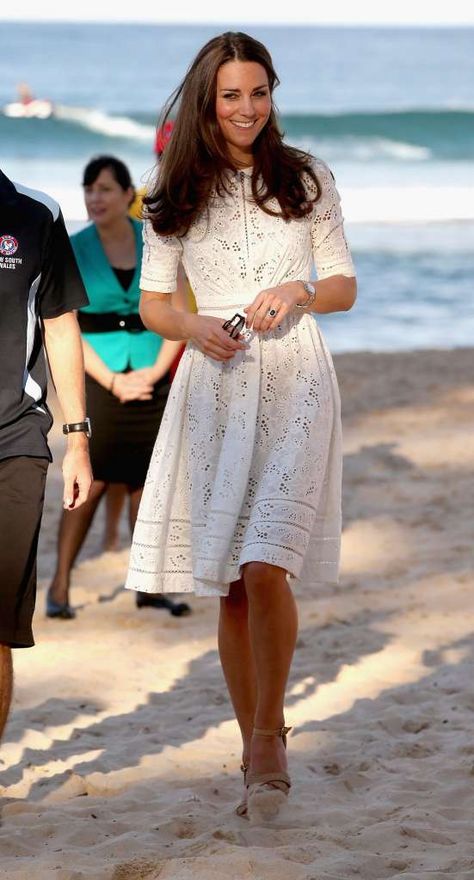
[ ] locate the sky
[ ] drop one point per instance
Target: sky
(412, 12)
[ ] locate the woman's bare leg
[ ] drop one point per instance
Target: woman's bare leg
(134, 496)
(114, 501)
(73, 528)
(237, 660)
(146, 599)
(273, 627)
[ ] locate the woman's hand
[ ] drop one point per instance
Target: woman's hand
(281, 299)
(209, 337)
(149, 374)
(132, 386)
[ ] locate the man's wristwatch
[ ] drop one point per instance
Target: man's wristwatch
(311, 291)
(84, 426)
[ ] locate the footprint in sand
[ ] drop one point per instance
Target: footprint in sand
(414, 725)
(228, 836)
(427, 835)
(414, 750)
(137, 869)
(183, 829)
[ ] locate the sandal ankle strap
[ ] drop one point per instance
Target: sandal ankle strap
(281, 731)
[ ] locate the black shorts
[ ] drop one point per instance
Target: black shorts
(22, 482)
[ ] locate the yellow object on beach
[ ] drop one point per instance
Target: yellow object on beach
(136, 211)
(136, 208)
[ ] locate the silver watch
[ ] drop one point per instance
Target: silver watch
(311, 291)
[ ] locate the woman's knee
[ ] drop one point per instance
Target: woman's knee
(261, 576)
(266, 585)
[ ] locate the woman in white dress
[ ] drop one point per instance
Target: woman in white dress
(243, 489)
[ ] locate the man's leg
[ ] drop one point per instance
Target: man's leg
(6, 685)
(22, 482)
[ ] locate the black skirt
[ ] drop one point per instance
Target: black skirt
(123, 434)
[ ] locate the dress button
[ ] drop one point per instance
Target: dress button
(121, 323)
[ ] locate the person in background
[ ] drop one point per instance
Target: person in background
(25, 95)
(127, 367)
(116, 492)
(40, 287)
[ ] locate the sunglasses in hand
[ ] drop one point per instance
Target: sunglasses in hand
(234, 326)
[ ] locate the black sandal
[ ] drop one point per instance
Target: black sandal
(148, 600)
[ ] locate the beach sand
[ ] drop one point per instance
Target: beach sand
(121, 758)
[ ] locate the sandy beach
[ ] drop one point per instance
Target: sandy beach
(121, 758)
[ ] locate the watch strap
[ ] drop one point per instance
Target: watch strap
(310, 290)
(73, 427)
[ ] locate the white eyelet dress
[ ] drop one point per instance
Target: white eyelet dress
(247, 462)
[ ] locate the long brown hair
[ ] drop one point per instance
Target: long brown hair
(196, 159)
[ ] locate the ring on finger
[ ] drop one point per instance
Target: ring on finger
(272, 312)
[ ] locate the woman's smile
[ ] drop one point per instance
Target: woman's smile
(243, 124)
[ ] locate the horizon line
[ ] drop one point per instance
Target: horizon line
(255, 23)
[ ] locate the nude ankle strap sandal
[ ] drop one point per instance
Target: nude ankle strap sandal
(268, 791)
(241, 808)
(280, 731)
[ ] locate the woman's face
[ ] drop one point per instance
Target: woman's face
(243, 106)
(105, 199)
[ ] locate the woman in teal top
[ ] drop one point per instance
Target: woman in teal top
(127, 366)
(119, 349)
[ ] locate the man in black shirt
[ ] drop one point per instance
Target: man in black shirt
(40, 287)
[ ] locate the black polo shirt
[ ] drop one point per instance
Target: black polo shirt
(39, 279)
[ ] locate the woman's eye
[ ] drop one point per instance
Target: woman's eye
(232, 95)
(260, 94)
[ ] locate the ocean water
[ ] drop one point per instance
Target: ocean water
(391, 110)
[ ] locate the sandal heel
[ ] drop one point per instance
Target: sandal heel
(241, 809)
(267, 792)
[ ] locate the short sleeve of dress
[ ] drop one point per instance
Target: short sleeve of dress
(331, 252)
(161, 255)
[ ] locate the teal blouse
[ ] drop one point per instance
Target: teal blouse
(119, 349)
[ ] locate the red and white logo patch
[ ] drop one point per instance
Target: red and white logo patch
(8, 245)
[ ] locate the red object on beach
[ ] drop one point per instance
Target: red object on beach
(174, 365)
(163, 135)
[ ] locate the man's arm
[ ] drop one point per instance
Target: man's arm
(64, 350)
